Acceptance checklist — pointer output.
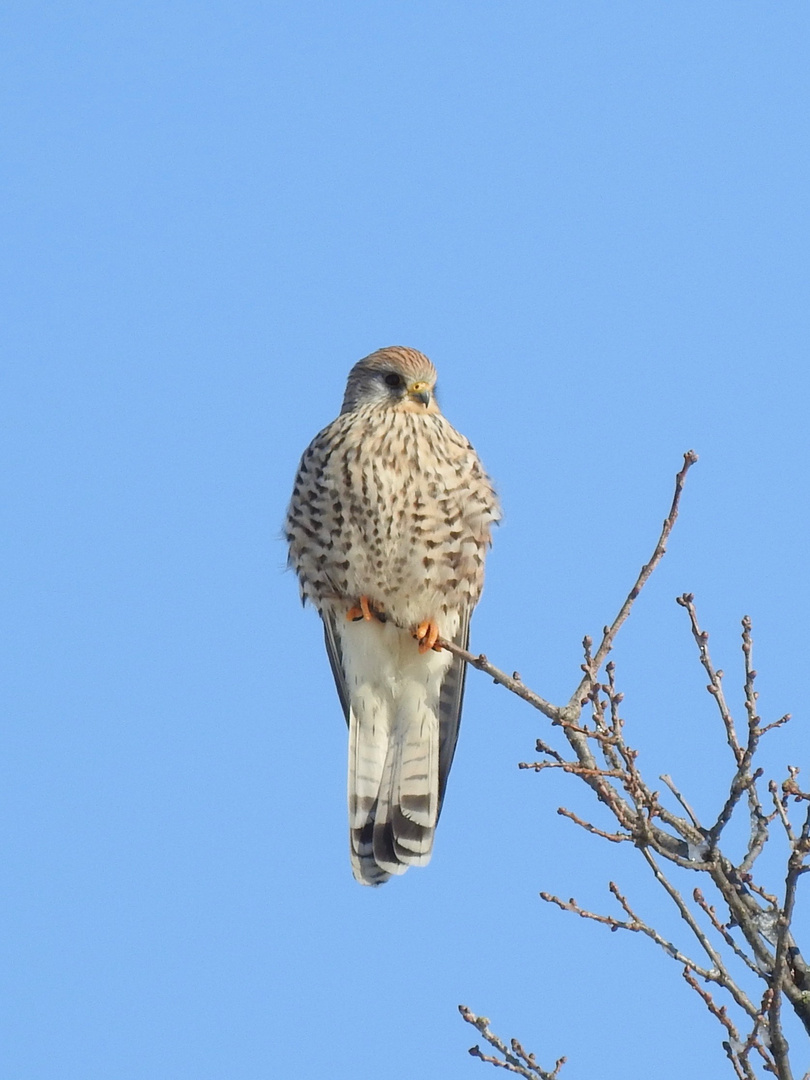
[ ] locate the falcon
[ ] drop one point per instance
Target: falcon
(388, 527)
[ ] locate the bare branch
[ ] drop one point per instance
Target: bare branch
(759, 822)
(571, 767)
(715, 687)
(517, 1061)
(736, 1052)
(756, 932)
(516, 686)
(776, 723)
(592, 664)
(616, 838)
(610, 632)
(723, 931)
(633, 924)
(779, 982)
(692, 816)
(723, 976)
(780, 805)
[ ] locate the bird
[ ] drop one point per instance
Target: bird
(388, 527)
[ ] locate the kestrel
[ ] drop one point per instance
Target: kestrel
(388, 527)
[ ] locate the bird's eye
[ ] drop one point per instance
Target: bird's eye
(394, 380)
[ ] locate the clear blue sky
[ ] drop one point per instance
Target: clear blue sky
(594, 218)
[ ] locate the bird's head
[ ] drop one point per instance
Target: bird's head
(396, 377)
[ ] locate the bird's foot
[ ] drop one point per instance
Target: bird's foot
(364, 611)
(427, 634)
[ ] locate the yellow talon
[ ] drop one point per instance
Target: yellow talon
(364, 611)
(427, 634)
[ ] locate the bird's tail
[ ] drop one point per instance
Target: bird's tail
(393, 788)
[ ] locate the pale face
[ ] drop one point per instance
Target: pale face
(402, 379)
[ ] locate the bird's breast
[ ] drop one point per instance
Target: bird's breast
(415, 525)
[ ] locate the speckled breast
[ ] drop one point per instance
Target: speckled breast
(393, 506)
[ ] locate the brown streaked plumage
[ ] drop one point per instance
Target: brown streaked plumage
(388, 526)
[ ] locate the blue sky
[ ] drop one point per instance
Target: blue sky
(594, 218)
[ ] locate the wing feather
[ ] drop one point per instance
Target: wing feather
(335, 653)
(451, 698)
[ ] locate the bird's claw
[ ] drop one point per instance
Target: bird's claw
(427, 634)
(364, 611)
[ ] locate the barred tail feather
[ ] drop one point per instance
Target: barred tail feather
(397, 753)
(394, 829)
(368, 750)
(416, 789)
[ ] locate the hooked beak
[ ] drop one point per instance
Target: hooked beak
(420, 391)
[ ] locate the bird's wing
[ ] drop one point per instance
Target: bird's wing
(334, 651)
(451, 698)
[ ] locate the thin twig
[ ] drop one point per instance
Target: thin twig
(516, 686)
(604, 761)
(692, 815)
(759, 822)
(615, 838)
(633, 924)
(738, 1058)
(571, 711)
(689, 459)
(723, 931)
(518, 1061)
(781, 811)
(715, 687)
(779, 1045)
(723, 975)
(571, 767)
